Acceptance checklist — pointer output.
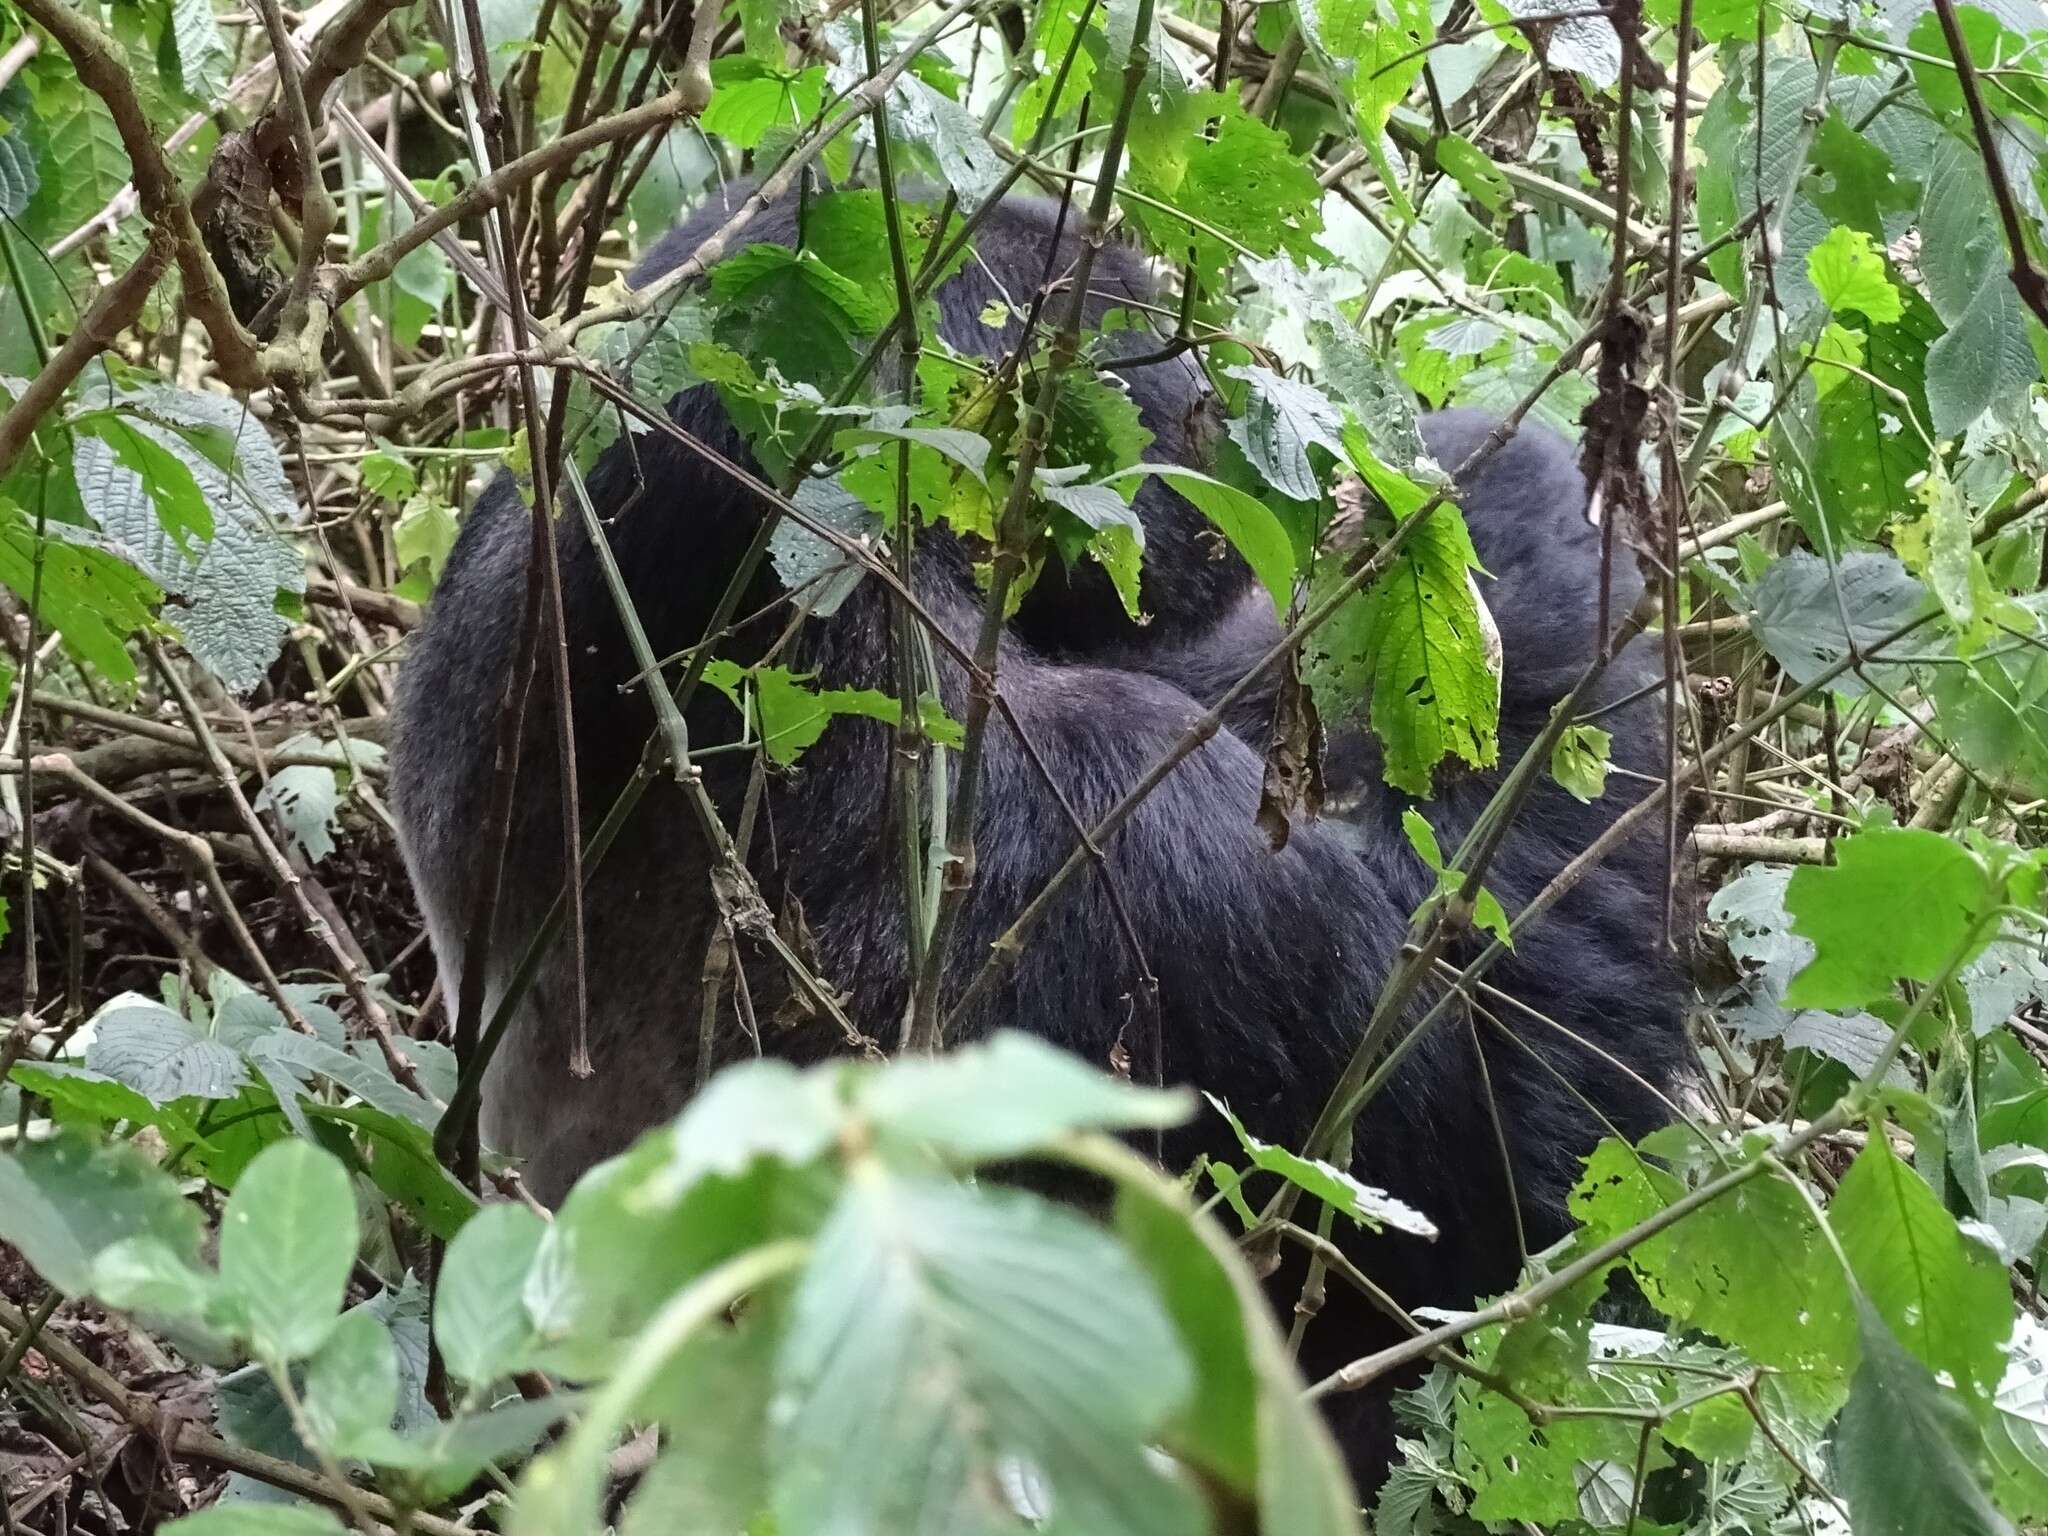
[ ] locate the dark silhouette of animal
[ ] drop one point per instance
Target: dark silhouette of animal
(1267, 962)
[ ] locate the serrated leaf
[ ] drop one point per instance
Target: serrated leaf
(1373, 1209)
(19, 178)
(1585, 44)
(790, 714)
(1950, 569)
(180, 506)
(204, 57)
(1474, 171)
(1005, 1098)
(306, 800)
(938, 1333)
(229, 619)
(388, 476)
(1236, 174)
(1752, 1267)
(1282, 418)
(1848, 273)
(812, 567)
(1412, 653)
(749, 97)
(83, 161)
(1580, 761)
(948, 132)
(423, 537)
(91, 596)
(287, 1243)
(1984, 356)
(1850, 911)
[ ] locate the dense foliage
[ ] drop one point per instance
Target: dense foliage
(281, 288)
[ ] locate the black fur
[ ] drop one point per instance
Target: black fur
(1268, 963)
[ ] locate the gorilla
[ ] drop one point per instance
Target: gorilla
(1267, 962)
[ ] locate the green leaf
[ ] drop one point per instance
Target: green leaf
(147, 1275)
(791, 716)
(445, 1457)
(1985, 357)
(1008, 1097)
(387, 476)
(204, 58)
(155, 1052)
(422, 538)
(1941, 1295)
(1951, 569)
(66, 1200)
(939, 1331)
(351, 1391)
(1474, 171)
(229, 618)
(1248, 1423)
(480, 1316)
(749, 97)
(714, 1473)
(306, 800)
(949, 133)
(254, 1518)
(1248, 523)
(1851, 912)
(19, 179)
(1844, 460)
(1245, 183)
(1412, 651)
(1752, 1268)
(1282, 417)
(287, 1243)
(1836, 351)
(751, 1111)
(1848, 273)
(83, 161)
(1373, 1209)
(163, 477)
(1422, 838)
(1906, 1450)
(1580, 761)
(1797, 614)
(639, 1228)
(91, 596)
(365, 1075)
(402, 1164)
(77, 1096)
